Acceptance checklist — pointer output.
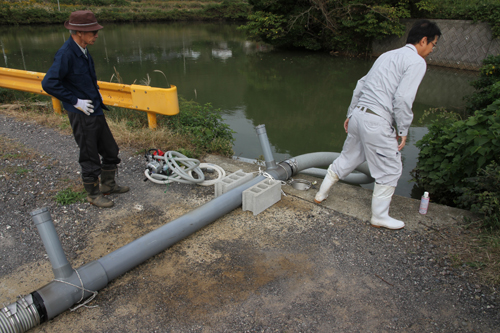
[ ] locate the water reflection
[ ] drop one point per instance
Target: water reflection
(301, 97)
(4, 55)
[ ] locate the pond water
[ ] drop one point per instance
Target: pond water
(301, 97)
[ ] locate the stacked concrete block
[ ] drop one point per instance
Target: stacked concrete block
(261, 196)
(232, 181)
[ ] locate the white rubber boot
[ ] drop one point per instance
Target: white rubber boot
(381, 200)
(330, 179)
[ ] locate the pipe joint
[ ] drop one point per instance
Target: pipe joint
(292, 164)
(20, 316)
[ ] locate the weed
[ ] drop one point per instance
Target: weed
(69, 196)
(260, 160)
(204, 126)
(8, 156)
(146, 81)
(186, 152)
(158, 71)
(116, 76)
(478, 249)
(475, 264)
(22, 171)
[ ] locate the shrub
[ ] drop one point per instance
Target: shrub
(482, 195)
(205, 126)
(232, 10)
(487, 86)
(458, 159)
(7, 95)
(454, 150)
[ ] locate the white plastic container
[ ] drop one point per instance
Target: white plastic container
(424, 203)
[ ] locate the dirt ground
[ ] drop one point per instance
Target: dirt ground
(296, 267)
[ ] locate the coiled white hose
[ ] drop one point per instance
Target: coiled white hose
(206, 166)
(182, 169)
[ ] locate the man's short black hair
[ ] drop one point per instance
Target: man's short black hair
(421, 29)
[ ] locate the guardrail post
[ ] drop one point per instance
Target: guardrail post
(56, 105)
(152, 120)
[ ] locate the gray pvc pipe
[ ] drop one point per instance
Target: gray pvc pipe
(308, 162)
(62, 293)
(266, 147)
(322, 159)
(354, 178)
(60, 265)
(122, 260)
(60, 296)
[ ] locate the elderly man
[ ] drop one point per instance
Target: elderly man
(72, 80)
(382, 98)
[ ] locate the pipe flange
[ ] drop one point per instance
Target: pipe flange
(292, 163)
(301, 184)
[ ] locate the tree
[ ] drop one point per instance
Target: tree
(345, 26)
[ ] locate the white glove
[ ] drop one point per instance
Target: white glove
(85, 105)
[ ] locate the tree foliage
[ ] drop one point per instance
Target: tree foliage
(487, 85)
(336, 25)
(476, 10)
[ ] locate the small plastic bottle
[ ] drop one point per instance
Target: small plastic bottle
(424, 203)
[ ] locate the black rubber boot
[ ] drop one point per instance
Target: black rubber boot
(108, 183)
(94, 195)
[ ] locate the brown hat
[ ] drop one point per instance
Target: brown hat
(82, 20)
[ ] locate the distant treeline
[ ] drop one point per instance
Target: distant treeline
(57, 11)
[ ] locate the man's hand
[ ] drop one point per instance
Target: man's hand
(403, 142)
(85, 105)
(346, 124)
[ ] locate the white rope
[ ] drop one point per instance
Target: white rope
(90, 299)
(265, 174)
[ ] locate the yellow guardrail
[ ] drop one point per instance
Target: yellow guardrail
(136, 97)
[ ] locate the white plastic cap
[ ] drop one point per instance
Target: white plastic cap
(426, 194)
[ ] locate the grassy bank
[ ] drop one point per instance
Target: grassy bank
(196, 131)
(52, 12)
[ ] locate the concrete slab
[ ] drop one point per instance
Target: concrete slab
(355, 201)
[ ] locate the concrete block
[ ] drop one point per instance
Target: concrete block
(261, 196)
(232, 181)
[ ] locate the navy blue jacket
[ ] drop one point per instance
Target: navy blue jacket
(72, 77)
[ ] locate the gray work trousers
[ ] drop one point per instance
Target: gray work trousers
(370, 138)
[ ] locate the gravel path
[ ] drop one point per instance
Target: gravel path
(296, 267)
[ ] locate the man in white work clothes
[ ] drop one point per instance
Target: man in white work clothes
(382, 98)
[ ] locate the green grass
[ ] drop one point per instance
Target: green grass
(9, 156)
(22, 171)
(69, 196)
